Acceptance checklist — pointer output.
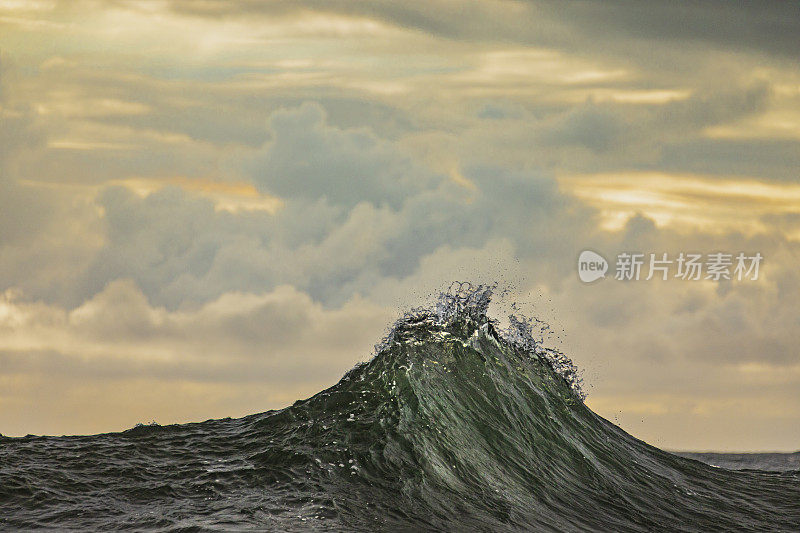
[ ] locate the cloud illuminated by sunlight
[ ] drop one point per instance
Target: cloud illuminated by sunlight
(686, 202)
(227, 196)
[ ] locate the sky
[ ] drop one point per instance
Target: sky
(215, 208)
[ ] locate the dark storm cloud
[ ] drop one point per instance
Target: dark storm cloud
(774, 159)
(769, 27)
(598, 136)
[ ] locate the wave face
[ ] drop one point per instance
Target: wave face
(454, 425)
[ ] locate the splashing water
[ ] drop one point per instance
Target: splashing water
(466, 302)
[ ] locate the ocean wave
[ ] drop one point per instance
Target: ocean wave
(455, 424)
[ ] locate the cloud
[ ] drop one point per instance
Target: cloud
(181, 251)
(306, 158)
(712, 204)
(591, 127)
(770, 159)
(717, 23)
(281, 342)
(23, 211)
(766, 29)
